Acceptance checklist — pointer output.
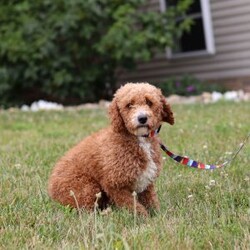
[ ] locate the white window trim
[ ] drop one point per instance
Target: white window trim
(208, 32)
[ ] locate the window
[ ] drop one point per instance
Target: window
(199, 40)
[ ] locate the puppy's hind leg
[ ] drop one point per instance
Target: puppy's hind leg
(76, 192)
(86, 196)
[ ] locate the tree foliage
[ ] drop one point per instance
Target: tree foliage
(70, 50)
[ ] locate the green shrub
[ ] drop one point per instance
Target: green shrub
(69, 51)
(187, 85)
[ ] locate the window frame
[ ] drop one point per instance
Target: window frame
(208, 33)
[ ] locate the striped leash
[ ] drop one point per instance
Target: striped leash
(196, 164)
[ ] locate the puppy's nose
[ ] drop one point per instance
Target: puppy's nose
(142, 119)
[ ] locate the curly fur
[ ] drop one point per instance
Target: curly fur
(116, 160)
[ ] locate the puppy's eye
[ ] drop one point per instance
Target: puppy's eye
(149, 103)
(129, 105)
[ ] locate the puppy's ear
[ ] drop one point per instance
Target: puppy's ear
(167, 114)
(115, 117)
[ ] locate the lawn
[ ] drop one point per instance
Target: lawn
(199, 209)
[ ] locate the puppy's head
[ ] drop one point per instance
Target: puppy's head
(139, 108)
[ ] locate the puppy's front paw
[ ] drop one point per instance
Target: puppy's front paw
(141, 210)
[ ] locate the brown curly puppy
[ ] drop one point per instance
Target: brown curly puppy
(119, 159)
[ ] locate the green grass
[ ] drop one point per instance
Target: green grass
(194, 213)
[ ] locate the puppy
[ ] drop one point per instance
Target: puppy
(119, 159)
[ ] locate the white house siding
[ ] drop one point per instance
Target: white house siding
(231, 26)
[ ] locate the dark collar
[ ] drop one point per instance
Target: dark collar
(153, 133)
